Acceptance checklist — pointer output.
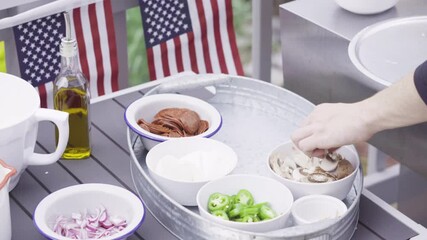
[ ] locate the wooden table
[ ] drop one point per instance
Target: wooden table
(110, 163)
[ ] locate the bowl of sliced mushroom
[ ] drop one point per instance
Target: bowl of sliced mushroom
(331, 175)
(160, 117)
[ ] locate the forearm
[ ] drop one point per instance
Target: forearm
(397, 106)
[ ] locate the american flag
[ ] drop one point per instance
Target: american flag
(38, 42)
(190, 35)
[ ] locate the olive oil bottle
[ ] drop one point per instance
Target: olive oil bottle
(72, 95)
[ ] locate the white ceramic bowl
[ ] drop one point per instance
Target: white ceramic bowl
(75, 199)
(263, 189)
(148, 106)
(366, 6)
(213, 158)
(314, 208)
(338, 188)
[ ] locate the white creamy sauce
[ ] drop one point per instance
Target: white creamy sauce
(193, 167)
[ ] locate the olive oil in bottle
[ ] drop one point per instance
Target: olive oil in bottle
(71, 95)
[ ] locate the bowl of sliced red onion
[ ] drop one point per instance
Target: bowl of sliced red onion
(89, 211)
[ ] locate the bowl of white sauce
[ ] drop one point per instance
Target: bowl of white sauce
(315, 208)
(180, 167)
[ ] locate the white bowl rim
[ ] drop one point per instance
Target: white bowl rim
(41, 208)
(356, 168)
(234, 157)
(287, 211)
(361, 11)
(212, 130)
(340, 204)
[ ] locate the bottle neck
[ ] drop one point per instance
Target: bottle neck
(69, 63)
(68, 51)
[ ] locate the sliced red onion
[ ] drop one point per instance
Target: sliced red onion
(85, 225)
(117, 221)
(103, 216)
(106, 224)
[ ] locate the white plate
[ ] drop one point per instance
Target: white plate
(388, 50)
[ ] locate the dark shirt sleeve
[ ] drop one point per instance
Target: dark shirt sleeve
(420, 80)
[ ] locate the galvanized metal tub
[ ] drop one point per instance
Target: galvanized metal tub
(257, 116)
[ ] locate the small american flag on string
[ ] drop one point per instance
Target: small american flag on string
(37, 45)
(38, 42)
(190, 35)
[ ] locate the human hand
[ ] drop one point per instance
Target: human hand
(330, 126)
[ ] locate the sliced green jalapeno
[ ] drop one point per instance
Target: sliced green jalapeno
(221, 214)
(249, 211)
(233, 199)
(248, 219)
(235, 210)
(265, 212)
(239, 207)
(258, 205)
(218, 201)
(244, 197)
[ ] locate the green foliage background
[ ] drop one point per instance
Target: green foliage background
(137, 60)
(2, 58)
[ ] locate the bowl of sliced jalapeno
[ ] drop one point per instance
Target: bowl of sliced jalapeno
(246, 202)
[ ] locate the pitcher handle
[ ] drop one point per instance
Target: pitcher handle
(60, 119)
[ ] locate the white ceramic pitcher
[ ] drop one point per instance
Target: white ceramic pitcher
(6, 173)
(20, 114)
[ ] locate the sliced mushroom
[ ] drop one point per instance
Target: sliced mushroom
(328, 164)
(300, 175)
(319, 177)
(302, 160)
(333, 156)
(287, 173)
(344, 169)
(299, 167)
(278, 166)
(274, 164)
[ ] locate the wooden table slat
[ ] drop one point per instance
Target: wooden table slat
(28, 192)
(126, 100)
(22, 225)
(108, 116)
(45, 174)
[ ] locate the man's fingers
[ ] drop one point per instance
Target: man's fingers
(318, 153)
(301, 133)
(308, 144)
(321, 152)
